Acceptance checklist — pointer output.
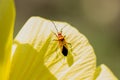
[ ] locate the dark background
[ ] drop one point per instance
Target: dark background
(98, 20)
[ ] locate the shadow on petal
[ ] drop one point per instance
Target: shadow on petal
(28, 64)
(70, 59)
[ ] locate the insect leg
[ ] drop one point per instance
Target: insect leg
(70, 45)
(64, 60)
(54, 33)
(57, 48)
(55, 40)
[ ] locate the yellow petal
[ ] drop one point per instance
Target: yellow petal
(7, 16)
(36, 56)
(104, 73)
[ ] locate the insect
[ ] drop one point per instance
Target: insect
(61, 40)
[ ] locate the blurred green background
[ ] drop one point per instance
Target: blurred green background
(98, 20)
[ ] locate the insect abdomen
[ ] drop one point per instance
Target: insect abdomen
(65, 51)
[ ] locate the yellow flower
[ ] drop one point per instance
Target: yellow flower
(7, 16)
(39, 57)
(104, 73)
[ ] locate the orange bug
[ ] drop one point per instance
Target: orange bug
(61, 40)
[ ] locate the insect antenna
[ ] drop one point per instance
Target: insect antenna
(55, 26)
(63, 28)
